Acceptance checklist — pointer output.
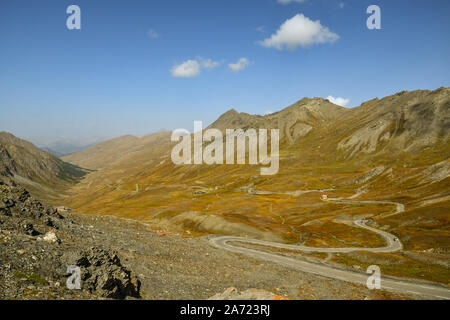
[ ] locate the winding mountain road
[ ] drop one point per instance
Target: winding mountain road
(387, 283)
(392, 245)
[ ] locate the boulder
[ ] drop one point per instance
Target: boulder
(103, 274)
(51, 237)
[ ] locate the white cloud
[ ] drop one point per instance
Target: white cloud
(266, 113)
(192, 68)
(339, 101)
(187, 69)
(152, 34)
(290, 1)
(240, 65)
(341, 5)
(299, 31)
(209, 64)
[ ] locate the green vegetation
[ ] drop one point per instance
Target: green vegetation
(31, 277)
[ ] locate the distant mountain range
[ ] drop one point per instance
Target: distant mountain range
(407, 125)
(322, 145)
(62, 146)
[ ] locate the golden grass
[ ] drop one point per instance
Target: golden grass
(166, 191)
(395, 264)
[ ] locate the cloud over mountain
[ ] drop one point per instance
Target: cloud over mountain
(339, 101)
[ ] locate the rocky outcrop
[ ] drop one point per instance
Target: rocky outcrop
(436, 172)
(38, 243)
(103, 274)
(375, 172)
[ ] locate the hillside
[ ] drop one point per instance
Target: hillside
(407, 121)
(389, 130)
(44, 174)
(125, 259)
(405, 130)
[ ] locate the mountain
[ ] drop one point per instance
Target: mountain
(405, 122)
(408, 129)
(43, 173)
(405, 127)
(295, 121)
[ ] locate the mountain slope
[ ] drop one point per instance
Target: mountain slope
(293, 122)
(317, 134)
(406, 121)
(23, 163)
(405, 127)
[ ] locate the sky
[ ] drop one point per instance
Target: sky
(139, 66)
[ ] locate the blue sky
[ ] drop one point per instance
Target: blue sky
(118, 74)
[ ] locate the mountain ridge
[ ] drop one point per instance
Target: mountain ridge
(369, 130)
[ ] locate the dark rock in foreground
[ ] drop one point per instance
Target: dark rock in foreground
(103, 274)
(37, 245)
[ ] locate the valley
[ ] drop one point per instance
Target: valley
(356, 187)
